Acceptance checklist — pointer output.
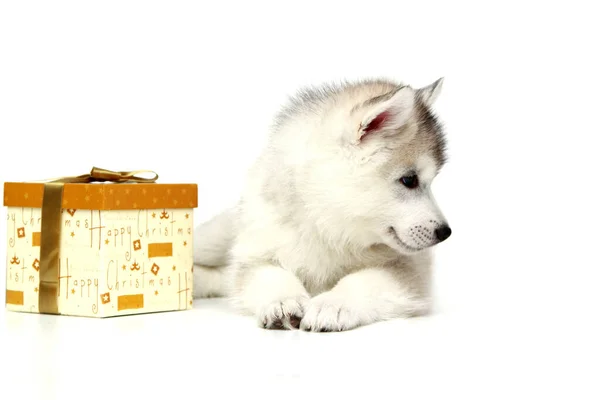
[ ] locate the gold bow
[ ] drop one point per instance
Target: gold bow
(105, 175)
(51, 228)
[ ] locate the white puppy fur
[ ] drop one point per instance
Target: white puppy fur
(335, 225)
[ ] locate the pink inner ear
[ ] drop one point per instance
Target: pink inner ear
(376, 123)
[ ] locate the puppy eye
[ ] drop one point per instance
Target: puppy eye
(411, 181)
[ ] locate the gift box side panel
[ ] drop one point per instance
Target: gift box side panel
(79, 262)
(148, 258)
(82, 272)
(22, 259)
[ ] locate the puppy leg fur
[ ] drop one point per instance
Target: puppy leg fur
(279, 300)
(211, 246)
(275, 296)
(364, 297)
(208, 282)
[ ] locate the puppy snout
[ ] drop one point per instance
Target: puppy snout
(443, 232)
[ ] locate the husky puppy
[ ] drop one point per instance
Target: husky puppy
(336, 223)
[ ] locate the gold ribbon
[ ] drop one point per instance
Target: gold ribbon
(51, 228)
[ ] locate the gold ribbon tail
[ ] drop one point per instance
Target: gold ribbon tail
(50, 248)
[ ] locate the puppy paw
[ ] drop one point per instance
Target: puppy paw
(331, 312)
(284, 314)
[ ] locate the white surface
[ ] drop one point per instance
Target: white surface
(208, 352)
(129, 85)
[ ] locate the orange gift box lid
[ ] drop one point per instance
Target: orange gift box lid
(106, 196)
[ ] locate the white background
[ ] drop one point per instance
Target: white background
(188, 89)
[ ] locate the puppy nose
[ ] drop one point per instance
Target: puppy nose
(443, 232)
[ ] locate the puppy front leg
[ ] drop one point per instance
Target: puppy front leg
(274, 295)
(362, 298)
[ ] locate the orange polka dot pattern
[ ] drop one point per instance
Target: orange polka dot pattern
(106, 196)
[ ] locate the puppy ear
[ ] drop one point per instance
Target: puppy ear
(387, 113)
(430, 93)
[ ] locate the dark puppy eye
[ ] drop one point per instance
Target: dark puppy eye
(411, 181)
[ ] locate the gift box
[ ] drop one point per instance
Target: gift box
(99, 245)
